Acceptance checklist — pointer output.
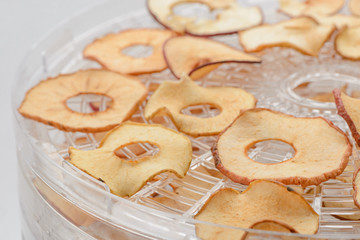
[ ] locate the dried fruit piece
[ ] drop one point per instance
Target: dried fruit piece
(348, 109)
(296, 8)
(171, 97)
(108, 51)
(198, 56)
(342, 204)
(356, 185)
(338, 20)
(231, 19)
(354, 7)
(303, 34)
(347, 43)
(46, 102)
(262, 201)
(321, 149)
(126, 177)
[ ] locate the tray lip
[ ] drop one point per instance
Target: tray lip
(146, 210)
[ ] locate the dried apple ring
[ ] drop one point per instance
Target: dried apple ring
(171, 97)
(296, 8)
(348, 109)
(303, 34)
(231, 18)
(347, 43)
(46, 102)
(321, 149)
(198, 56)
(126, 177)
(356, 186)
(354, 7)
(263, 201)
(108, 51)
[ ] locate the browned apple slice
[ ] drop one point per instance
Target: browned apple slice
(321, 149)
(264, 204)
(303, 34)
(46, 102)
(347, 43)
(231, 18)
(354, 7)
(296, 8)
(171, 97)
(108, 51)
(198, 56)
(348, 109)
(126, 177)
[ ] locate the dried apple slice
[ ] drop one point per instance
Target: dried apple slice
(231, 19)
(342, 204)
(108, 51)
(348, 109)
(46, 102)
(296, 8)
(321, 149)
(338, 20)
(303, 34)
(126, 177)
(198, 56)
(261, 201)
(354, 7)
(347, 43)
(171, 97)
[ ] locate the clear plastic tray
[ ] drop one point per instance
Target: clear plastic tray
(53, 192)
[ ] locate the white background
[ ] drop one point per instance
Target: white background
(22, 23)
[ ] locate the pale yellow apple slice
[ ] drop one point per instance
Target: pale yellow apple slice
(349, 109)
(296, 8)
(321, 149)
(303, 34)
(171, 97)
(347, 43)
(107, 51)
(198, 56)
(338, 20)
(354, 7)
(263, 205)
(230, 19)
(46, 102)
(126, 177)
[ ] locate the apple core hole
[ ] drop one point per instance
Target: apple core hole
(201, 111)
(197, 10)
(138, 51)
(271, 151)
(89, 103)
(136, 151)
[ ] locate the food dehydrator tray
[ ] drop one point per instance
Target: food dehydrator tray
(164, 208)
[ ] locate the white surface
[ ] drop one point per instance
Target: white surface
(22, 23)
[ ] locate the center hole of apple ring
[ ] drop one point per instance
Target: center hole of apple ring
(138, 51)
(201, 110)
(134, 152)
(89, 103)
(198, 10)
(271, 151)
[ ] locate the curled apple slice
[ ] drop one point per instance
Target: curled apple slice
(303, 34)
(171, 97)
(231, 18)
(126, 177)
(354, 7)
(46, 102)
(347, 43)
(296, 8)
(198, 56)
(348, 109)
(321, 149)
(264, 205)
(108, 51)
